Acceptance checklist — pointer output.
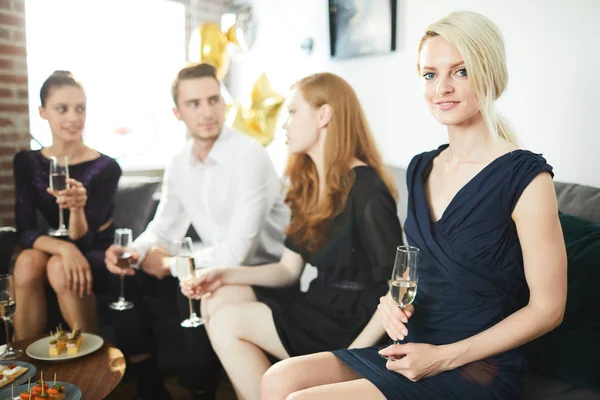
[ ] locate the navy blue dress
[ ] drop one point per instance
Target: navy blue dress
(99, 176)
(470, 278)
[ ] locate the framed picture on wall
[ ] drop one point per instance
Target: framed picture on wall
(362, 27)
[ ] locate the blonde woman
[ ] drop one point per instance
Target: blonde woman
(493, 263)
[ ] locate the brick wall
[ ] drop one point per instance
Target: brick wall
(14, 112)
(14, 109)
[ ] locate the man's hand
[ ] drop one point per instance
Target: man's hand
(111, 259)
(157, 262)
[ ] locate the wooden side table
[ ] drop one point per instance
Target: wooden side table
(96, 374)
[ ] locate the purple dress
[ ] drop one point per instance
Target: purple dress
(99, 176)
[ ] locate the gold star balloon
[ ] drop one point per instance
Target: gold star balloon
(259, 120)
(209, 45)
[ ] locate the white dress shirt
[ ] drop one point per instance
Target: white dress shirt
(233, 200)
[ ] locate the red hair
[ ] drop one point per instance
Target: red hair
(348, 137)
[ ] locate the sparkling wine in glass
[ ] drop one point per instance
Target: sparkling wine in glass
(123, 239)
(186, 272)
(7, 310)
(405, 279)
(59, 173)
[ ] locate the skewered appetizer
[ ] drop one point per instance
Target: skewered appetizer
(41, 390)
(74, 340)
(56, 392)
(57, 343)
(61, 341)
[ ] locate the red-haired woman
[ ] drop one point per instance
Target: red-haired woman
(344, 222)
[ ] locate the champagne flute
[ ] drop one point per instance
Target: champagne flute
(123, 238)
(404, 280)
(59, 173)
(186, 271)
(7, 310)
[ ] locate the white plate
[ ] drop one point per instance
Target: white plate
(39, 349)
(23, 378)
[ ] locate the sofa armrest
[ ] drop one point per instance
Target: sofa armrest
(8, 242)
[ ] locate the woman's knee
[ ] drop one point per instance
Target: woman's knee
(30, 268)
(224, 322)
(299, 395)
(56, 275)
(278, 382)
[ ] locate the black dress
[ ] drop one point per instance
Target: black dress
(354, 265)
(99, 176)
(470, 278)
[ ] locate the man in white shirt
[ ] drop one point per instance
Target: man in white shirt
(224, 184)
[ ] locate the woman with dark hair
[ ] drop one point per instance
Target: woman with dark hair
(74, 264)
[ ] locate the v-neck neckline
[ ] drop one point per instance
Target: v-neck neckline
(428, 168)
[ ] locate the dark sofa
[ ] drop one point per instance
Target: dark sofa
(136, 203)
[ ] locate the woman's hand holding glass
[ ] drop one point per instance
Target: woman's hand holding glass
(185, 266)
(403, 290)
(58, 177)
(394, 318)
(74, 197)
(207, 281)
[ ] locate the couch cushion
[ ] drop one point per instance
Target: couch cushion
(571, 352)
(134, 202)
(579, 200)
(537, 387)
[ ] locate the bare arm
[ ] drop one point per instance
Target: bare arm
(371, 333)
(74, 199)
(545, 261)
(52, 246)
(78, 225)
(90, 214)
(284, 273)
(388, 318)
(75, 266)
